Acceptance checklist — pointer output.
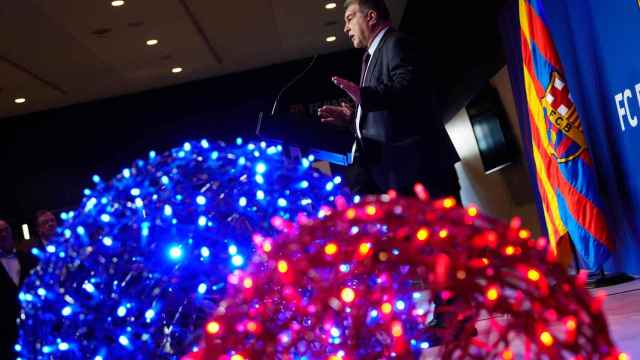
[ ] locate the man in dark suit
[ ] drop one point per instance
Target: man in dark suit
(400, 138)
(14, 268)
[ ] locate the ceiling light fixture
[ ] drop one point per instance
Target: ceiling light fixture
(330, 6)
(117, 3)
(152, 42)
(176, 70)
(331, 39)
(19, 100)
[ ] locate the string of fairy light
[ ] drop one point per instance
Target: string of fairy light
(134, 271)
(156, 264)
(359, 284)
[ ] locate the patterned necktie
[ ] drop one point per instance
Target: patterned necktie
(365, 64)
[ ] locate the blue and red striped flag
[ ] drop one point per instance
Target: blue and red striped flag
(564, 170)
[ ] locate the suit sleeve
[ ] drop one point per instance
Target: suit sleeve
(402, 61)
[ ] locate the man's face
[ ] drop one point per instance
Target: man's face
(358, 26)
(6, 237)
(47, 226)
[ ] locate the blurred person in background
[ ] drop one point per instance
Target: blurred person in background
(46, 225)
(15, 267)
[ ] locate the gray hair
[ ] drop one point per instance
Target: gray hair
(379, 6)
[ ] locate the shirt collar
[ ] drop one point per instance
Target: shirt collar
(376, 41)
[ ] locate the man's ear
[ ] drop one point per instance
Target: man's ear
(372, 17)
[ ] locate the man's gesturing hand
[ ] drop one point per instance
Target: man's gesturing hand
(350, 88)
(337, 114)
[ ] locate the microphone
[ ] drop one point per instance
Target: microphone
(302, 136)
(276, 103)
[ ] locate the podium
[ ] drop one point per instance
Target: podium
(301, 133)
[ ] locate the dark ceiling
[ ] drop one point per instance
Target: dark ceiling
(49, 157)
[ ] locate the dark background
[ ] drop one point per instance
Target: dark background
(49, 157)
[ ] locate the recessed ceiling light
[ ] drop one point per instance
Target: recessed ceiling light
(19, 100)
(176, 70)
(117, 3)
(152, 42)
(331, 39)
(330, 6)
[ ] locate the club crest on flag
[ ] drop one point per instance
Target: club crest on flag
(566, 139)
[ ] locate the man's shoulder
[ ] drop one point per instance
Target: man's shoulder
(393, 36)
(395, 41)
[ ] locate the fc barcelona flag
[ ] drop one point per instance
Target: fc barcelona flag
(564, 169)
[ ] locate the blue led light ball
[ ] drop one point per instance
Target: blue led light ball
(136, 270)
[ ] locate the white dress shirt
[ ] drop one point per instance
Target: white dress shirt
(12, 266)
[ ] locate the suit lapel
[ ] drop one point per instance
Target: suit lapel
(375, 59)
(5, 277)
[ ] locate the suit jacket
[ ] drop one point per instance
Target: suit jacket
(10, 305)
(403, 138)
